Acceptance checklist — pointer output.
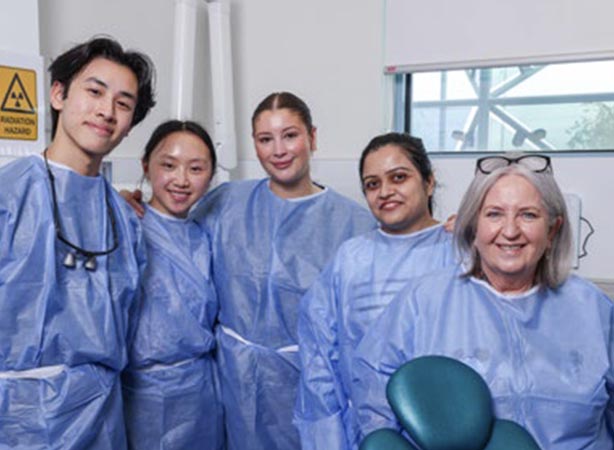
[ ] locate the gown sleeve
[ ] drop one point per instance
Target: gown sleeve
(385, 347)
(208, 210)
(137, 241)
(610, 377)
(321, 400)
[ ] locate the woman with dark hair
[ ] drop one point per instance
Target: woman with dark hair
(171, 386)
(540, 337)
(270, 240)
(365, 274)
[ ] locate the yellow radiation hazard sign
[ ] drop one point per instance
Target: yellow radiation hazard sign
(18, 108)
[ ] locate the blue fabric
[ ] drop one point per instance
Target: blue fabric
(51, 315)
(266, 253)
(546, 355)
(349, 295)
(171, 387)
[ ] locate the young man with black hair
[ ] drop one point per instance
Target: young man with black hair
(71, 257)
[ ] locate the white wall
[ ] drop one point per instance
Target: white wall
(329, 53)
(19, 48)
(19, 26)
(490, 33)
(590, 177)
(143, 25)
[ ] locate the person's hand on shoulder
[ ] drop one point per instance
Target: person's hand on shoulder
(135, 200)
(449, 223)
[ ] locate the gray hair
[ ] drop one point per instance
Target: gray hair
(555, 265)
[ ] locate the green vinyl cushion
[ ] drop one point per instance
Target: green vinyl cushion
(385, 439)
(508, 435)
(442, 403)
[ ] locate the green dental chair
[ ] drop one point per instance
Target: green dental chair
(444, 404)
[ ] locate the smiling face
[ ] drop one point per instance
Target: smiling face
(96, 112)
(395, 191)
(284, 146)
(513, 233)
(179, 170)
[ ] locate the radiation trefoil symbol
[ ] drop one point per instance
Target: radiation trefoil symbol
(16, 99)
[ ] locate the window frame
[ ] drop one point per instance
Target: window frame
(403, 107)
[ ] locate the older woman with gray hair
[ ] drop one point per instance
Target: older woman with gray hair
(541, 338)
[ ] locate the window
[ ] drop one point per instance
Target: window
(548, 107)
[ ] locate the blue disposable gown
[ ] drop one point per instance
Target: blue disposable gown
(171, 387)
(348, 296)
(545, 354)
(266, 253)
(63, 332)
